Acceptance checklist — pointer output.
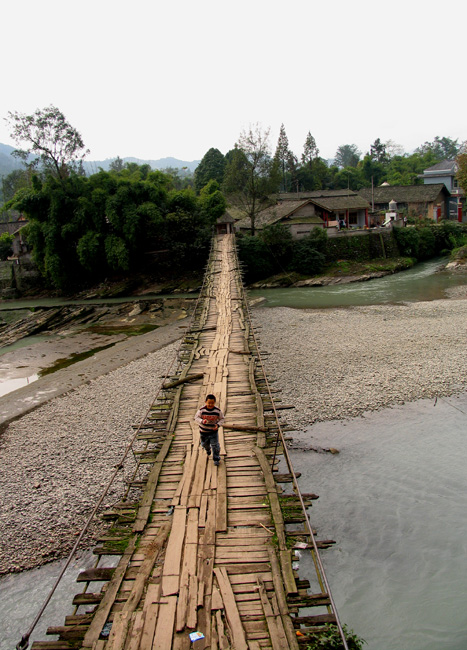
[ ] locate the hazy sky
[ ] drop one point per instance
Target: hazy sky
(164, 78)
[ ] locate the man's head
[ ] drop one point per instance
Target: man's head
(210, 401)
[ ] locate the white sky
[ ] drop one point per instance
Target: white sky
(156, 78)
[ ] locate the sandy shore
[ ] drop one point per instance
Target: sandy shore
(335, 363)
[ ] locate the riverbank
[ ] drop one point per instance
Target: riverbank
(332, 364)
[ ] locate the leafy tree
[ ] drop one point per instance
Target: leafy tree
(211, 167)
(251, 174)
(405, 170)
(212, 202)
(116, 165)
(310, 150)
(257, 260)
(307, 258)
(378, 152)
(18, 179)
(350, 177)
(6, 241)
(316, 175)
(393, 149)
(278, 239)
(47, 135)
(347, 155)
(441, 148)
(462, 171)
(282, 153)
(372, 169)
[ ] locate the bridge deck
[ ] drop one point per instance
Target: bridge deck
(204, 549)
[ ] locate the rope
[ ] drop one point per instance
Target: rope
(23, 644)
(316, 557)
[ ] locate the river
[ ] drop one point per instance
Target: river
(394, 499)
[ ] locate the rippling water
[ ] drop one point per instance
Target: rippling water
(422, 282)
(395, 500)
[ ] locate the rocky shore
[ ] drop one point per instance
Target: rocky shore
(331, 364)
(338, 363)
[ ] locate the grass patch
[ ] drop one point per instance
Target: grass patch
(128, 330)
(73, 358)
(350, 267)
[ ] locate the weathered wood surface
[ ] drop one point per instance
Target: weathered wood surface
(202, 557)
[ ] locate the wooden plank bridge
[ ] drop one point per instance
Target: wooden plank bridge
(203, 548)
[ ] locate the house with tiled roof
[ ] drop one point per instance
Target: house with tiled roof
(304, 211)
(429, 201)
(446, 172)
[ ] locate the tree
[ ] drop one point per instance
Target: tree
(282, 153)
(347, 155)
(372, 170)
(116, 165)
(393, 149)
(462, 171)
(378, 152)
(211, 168)
(48, 136)
(6, 240)
(251, 174)
(441, 148)
(212, 202)
(310, 150)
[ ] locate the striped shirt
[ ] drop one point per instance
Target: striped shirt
(208, 418)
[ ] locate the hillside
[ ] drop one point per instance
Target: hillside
(8, 163)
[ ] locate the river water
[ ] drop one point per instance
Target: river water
(394, 499)
(424, 281)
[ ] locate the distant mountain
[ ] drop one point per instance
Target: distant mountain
(92, 166)
(8, 162)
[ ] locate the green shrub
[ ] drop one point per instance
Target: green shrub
(408, 241)
(331, 640)
(306, 257)
(426, 244)
(257, 260)
(6, 241)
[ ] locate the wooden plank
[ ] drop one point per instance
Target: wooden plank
(148, 495)
(238, 633)
(221, 500)
(120, 627)
(102, 612)
(150, 610)
(173, 554)
(276, 630)
(281, 600)
(165, 624)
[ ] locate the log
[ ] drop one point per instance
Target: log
(241, 427)
(183, 381)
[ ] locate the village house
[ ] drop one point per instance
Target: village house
(225, 224)
(430, 201)
(303, 211)
(446, 172)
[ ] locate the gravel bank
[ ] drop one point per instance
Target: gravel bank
(332, 364)
(338, 363)
(57, 459)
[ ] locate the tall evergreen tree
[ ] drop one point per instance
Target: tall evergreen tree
(282, 153)
(211, 168)
(310, 150)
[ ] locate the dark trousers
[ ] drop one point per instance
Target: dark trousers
(210, 440)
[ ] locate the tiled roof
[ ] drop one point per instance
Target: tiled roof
(404, 193)
(226, 218)
(443, 166)
(295, 196)
(347, 202)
